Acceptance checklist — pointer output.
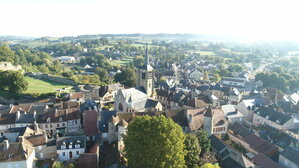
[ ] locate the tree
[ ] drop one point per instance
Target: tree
(154, 142)
(13, 82)
(57, 164)
(193, 150)
(138, 61)
(217, 78)
(203, 141)
(6, 54)
(210, 165)
(127, 77)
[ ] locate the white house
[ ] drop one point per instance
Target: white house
(236, 82)
(67, 59)
(232, 114)
(247, 107)
(69, 148)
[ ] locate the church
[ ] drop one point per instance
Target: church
(140, 98)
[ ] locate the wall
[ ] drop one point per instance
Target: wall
(58, 79)
(286, 163)
(20, 164)
(67, 151)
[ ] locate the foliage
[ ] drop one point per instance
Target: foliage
(127, 77)
(13, 82)
(71, 165)
(203, 140)
(57, 165)
(154, 142)
(216, 78)
(138, 61)
(210, 165)
(87, 79)
(193, 150)
(205, 76)
(6, 54)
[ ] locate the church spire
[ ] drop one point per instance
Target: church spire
(146, 55)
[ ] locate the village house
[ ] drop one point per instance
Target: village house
(107, 93)
(289, 157)
(232, 114)
(19, 154)
(90, 124)
(70, 148)
(195, 75)
(211, 120)
(228, 156)
(235, 82)
(278, 120)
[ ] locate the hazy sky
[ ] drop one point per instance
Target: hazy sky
(254, 19)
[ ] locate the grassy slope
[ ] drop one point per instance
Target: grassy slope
(42, 86)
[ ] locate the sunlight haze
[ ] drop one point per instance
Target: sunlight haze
(255, 20)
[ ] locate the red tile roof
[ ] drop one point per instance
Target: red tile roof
(90, 121)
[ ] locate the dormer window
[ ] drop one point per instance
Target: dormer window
(63, 146)
(48, 119)
(71, 145)
(60, 119)
(77, 144)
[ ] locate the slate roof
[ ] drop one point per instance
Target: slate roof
(277, 137)
(7, 119)
(56, 114)
(71, 140)
(239, 129)
(264, 162)
(273, 115)
(230, 163)
(26, 118)
(216, 143)
(105, 116)
(162, 93)
(39, 109)
(150, 103)
(291, 154)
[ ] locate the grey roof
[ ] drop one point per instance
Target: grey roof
(275, 136)
(239, 129)
(162, 93)
(39, 109)
(224, 153)
(273, 115)
(230, 163)
(71, 140)
(26, 118)
(105, 117)
(151, 103)
(216, 143)
(291, 154)
(87, 104)
(20, 130)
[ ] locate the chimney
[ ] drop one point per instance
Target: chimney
(18, 115)
(190, 118)
(35, 126)
(34, 115)
(6, 144)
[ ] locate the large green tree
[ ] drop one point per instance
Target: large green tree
(154, 142)
(204, 141)
(6, 54)
(193, 150)
(127, 77)
(13, 82)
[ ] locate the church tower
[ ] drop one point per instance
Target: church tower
(208, 121)
(145, 75)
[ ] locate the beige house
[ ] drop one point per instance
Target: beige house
(19, 154)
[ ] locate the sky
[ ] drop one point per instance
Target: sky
(251, 19)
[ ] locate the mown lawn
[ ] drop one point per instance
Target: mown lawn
(43, 86)
(123, 61)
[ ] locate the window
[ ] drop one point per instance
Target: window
(63, 124)
(46, 126)
(63, 154)
(77, 153)
(120, 107)
(58, 125)
(51, 126)
(143, 74)
(1, 133)
(48, 120)
(60, 119)
(41, 155)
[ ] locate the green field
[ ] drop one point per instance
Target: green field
(42, 86)
(122, 62)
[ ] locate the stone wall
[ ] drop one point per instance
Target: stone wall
(58, 79)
